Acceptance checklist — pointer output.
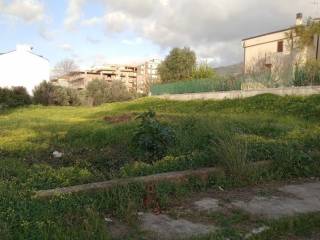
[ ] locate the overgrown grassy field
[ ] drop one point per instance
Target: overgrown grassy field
(97, 145)
(97, 142)
(197, 85)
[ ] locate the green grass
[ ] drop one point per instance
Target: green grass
(196, 86)
(285, 130)
(269, 126)
(302, 226)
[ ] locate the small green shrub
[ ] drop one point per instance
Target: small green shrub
(152, 138)
(14, 97)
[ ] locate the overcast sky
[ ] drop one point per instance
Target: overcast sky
(94, 32)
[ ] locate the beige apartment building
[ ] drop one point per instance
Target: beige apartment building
(273, 49)
(127, 74)
(135, 78)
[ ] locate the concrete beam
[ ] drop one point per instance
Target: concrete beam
(203, 173)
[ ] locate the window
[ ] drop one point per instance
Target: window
(268, 66)
(280, 46)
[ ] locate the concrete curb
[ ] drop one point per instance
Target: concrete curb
(203, 173)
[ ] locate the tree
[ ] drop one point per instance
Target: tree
(64, 67)
(14, 97)
(203, 71)
(305, 33)
(48, 94)
(42, 94)
(178, 65)
(307, 72)
(99, 92)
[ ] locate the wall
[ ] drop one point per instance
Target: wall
(23, 68)
(299, 91)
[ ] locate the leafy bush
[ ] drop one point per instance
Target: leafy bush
(14, 97)
(152, 138)
(48, 94)
(99, 92)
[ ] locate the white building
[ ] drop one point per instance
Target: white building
(148, 75)
(22, 67)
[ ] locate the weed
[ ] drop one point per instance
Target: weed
(152, 138)
(233, 157)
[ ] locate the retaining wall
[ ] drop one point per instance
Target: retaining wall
(298, 91)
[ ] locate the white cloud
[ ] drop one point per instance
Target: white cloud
(135, 41)
(118, 21)
(137, 8)
(214, 28)
(66, 47)
(26, 10)
(92, 21)
(101, 60)
(74, 13)
(93, 40)
(46, 33)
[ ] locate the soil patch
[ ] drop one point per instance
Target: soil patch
(120, 119)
